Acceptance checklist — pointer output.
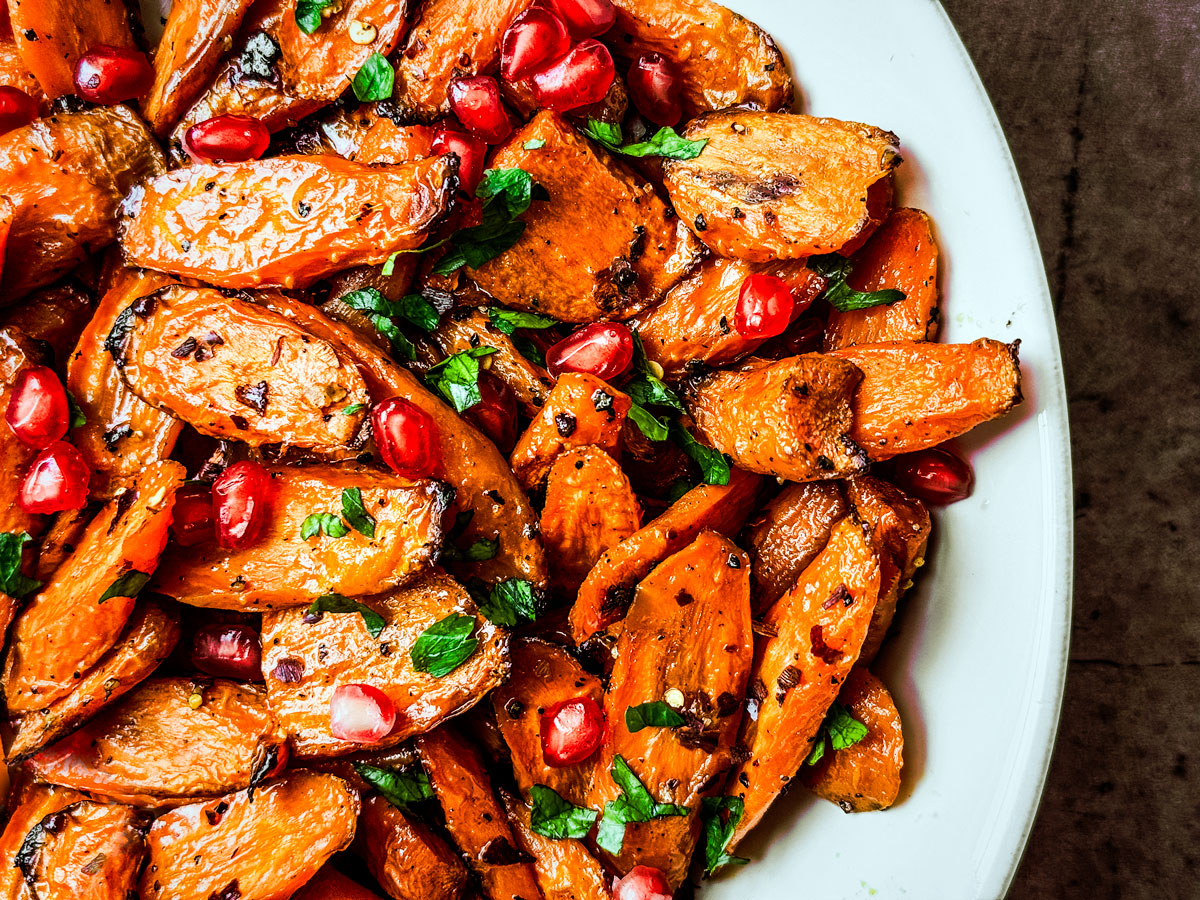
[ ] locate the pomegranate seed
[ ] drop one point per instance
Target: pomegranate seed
(581, 77)
(361, 713)
(228, 651)
(764, 307)
(642, 883)
(38, 412)
(603, 349)
(936, 475)
(586, 18)
(17, 109)
(469, 150)
(572, 730)
(536, 37)
(241, 503)
(407, 438)
(227, 139)
(192, 522)
(476, 102)
(108, 75)
(496, 413)
(57, 480)
(655, 88)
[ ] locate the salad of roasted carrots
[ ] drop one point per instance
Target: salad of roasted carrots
(451, 450)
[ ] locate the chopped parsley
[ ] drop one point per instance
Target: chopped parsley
(382, 314)
(840, 728)
(655, 714)
(635, 804)
(457, 377)
(506, 193)
(375, 80)
(556, 818)
(336, 603)
(715, 466)
(445, 645)
(647, 389)
(399, 788)
(477, 551)
(78, 419)
(509, 320)
(319, 523)
(354, 408)
(666, 142)
(128, 585)
(719, 816)
(354, 512)
(509, 603)
(310, 14)
(534, 144)
(839, 294)
(12, 582)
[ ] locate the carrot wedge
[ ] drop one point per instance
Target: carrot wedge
(330, 884)
(55, 316)
(813, 637)
(406, 858)
(52, 35)
(565, 869)
(608, 588)
(917, 394)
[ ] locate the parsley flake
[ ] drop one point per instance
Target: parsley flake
(319, 523)
(354, 512)
(647, 389)
(310, 14)
(507, 193)
(399, 788)
(715, 466)
(654, 714)
(12, 582)
(78, 419)
(719, 816)
(509, 320)
(336, 603)
(839, 294)
(841, 729)
(666, 142)
(508, 603)
(636, 804)
(457, 377)
(556, 818)
(445, 645)
(128, 585)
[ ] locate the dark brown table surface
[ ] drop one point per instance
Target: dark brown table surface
(1101, 104)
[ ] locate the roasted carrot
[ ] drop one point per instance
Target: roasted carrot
(330, 884)
(52, 35)
(565, 869)
(464, 329)
(406, 857)
(14, 72)
(387, 142)
(55, 316)
(65, 532)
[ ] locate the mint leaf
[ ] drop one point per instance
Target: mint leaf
(509, 603)
(719, 816)
(417, 310)
(356, 514)
(509, 320)
(479, 551)
(308, 14)
(556, 818)
(604, 133)
(327, 523)
(128, 585)
(336, 603)
(380, 313)
(78, 419)
(647, 389)
(666, 142)
(715, 466)
(399, 788)
(375, 80)
(457, 377)
(534, 144)
(12, 582)
(507, 194)
(838, 294)
(840, 728)
(445, 645)
(650, 425)
(636, 804)
(655, 714)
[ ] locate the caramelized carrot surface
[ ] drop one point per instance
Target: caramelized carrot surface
(51, 36)
(406, 857)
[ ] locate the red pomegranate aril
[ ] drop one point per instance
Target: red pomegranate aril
(937, 475)
(469, 150)
(580, 78)
(642, 883)
(192, 520)
(228, 651)
(17, 109)
(586, 18)
(496, 412)
(572, 730)
(407, 438)
(536, 37)
(38, 412)
(108, 75)
(764, 307)
(476, 102)
(241, 504)
(655, 88)
(603, 349)
(227, 139)
(57, 480)
(361, 713)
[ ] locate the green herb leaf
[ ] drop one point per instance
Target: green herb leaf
(514, 189)
(666, 142)
(678, 489)
(647, 389)
(715, 466)
(336, 603)
(529, 350)
(509, 320)
(457, 377)
(555, 818)
(839, 294)
(389, 265)
(399, 788)
(840, 728)
(308, 14)
(654, 714)
(507, 194)
(534, 144)
(481, 550)
(508, 603)
(419, 311)
(317, 523)
(445, 645)
(650, 425)
(78, 419)
(356, 514)
(719, 817)
(375, 80)
(603, 132)
(127, 585)
(636, 804)
(380, 313)
(12, 582)
(353, 408)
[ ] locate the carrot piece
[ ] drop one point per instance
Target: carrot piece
(474, 816)
(790, 419)
(58, 543)
(580, 411)
(7, 212)
(530, 382)
(813, 636)
(916, 394)
(565, 869)
(387, 142)
(296, 218)
(55, 316)
(607, 591)
(51, 36)
(14, 72)
(589, 509)
(304, 663)
(28, 806)
(71, 623)
(330, 884)
(264, 842)
(17, 353)
(406, 858)
(283, 570)
(150, 635)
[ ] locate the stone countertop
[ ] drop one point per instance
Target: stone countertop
(1101, 104)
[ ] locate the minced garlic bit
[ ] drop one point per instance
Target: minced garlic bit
(673, 697)
(362, 32)
(195, 701)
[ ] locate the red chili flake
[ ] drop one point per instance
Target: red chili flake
(841, 594)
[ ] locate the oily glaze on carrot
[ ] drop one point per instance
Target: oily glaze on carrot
(264, 842)
(790, 419)
(581, 410)
(565, 869)
(916, 394)
(14, 72)
(901, 255)
(286, 221)
(63, 535)
(304, 662)
(811, 639)
(283, 570)
(66, 176)
(52, 35)
(159, 747)
(608, 589)
(405, 856)
(55, 316)
(67, 627)
(330, 884)
(234, 370)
